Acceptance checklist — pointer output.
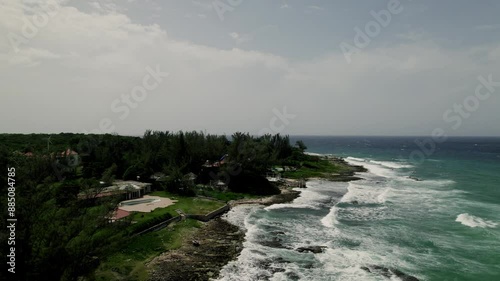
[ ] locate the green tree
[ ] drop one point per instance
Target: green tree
(301, 146)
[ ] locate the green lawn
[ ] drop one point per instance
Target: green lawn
(225, 196)
(189, 205)
(129, 262)
(316, 169)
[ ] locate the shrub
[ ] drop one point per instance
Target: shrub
(141, 226)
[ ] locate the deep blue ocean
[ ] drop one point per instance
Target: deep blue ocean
(431, 211)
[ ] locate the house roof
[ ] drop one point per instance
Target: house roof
(120, 214)
(69, 152)
(126, 186)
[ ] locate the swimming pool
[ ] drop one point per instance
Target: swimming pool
(138, 201)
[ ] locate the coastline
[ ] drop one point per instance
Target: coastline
(218, 242)
(221, 242)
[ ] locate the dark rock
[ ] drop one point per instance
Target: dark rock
(344, 178)
(274, 243)
(258, 252)
(355, 202)
(388, 272)
(199, 263)
(414, 178)
(312, 249)
(292, 276)
(270, 265)
(309, 266)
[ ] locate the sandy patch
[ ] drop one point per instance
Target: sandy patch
(146, 204)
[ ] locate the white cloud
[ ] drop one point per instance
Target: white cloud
(234, 35)
(80, 62)
(106, 6)
(240, 38)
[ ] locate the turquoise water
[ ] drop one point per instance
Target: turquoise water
(437, 219)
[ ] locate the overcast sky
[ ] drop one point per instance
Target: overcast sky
(236, 65)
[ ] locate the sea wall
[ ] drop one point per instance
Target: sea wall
(210, 216)
(160, 225)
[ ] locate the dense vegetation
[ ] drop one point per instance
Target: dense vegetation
(61, 236)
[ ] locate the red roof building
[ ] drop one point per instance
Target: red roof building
(119, 214)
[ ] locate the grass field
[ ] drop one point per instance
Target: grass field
(189, 205)
(129, 263)
(316, 169)
(224, 196)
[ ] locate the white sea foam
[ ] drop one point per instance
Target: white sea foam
(387, 169)
(365, 194)
(330, 220)
(473, 221)
(238, 214)
(308, 199)
(355, 159)
(338, 260)
(373, 168)
(392, 165)
(291, 206)
(346, 263)
(366, 214)
(438, 182)
(315, 154)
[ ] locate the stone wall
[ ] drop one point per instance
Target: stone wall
(211, 215)
(159, 226)
(203, 218)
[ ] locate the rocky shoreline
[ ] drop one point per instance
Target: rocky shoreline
(202, 256)
(217, 242)
(286, 195)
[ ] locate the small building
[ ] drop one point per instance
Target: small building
(118, 214)
(69, 153)
(158, 176)
(128, 189)
(190, 178)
